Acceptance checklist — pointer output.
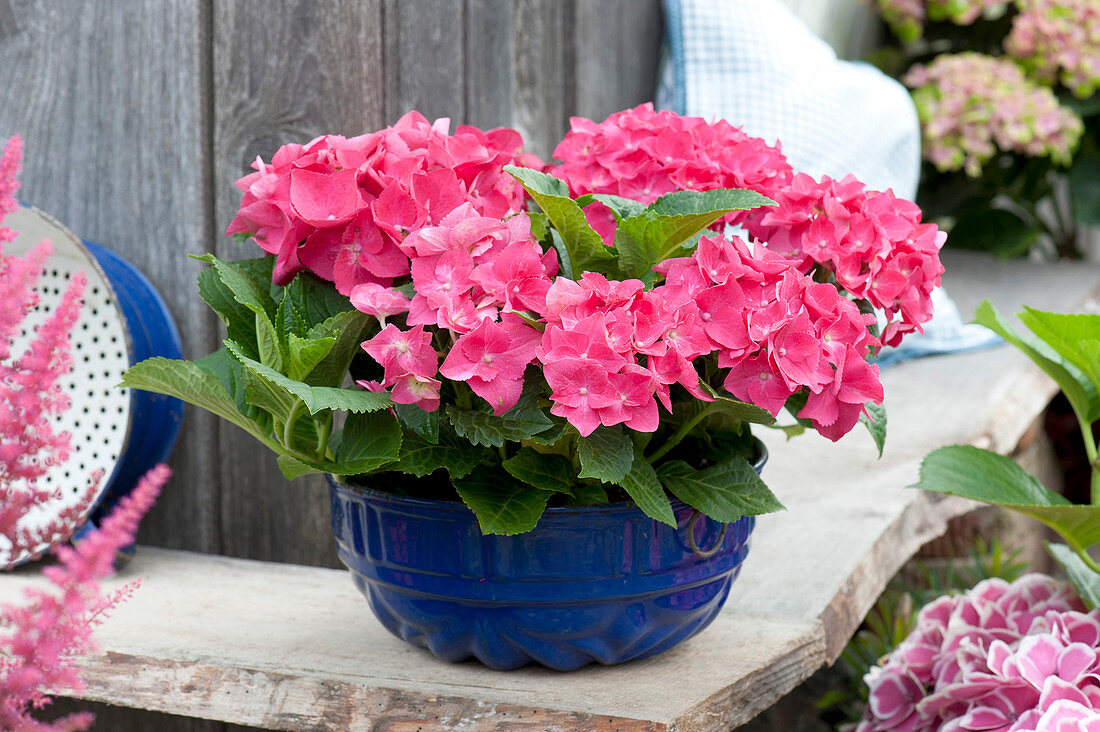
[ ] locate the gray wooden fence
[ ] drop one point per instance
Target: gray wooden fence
(138, 115)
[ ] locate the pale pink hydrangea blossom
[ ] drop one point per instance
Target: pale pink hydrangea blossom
(972, 105)
(1002, 657)
(1060, 41)
(907, 18)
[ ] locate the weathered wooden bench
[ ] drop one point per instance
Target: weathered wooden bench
(296, 648)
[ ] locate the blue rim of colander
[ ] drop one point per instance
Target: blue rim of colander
(155, 419)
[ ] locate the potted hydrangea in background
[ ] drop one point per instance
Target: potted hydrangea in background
(534, 385)
(1007, 94)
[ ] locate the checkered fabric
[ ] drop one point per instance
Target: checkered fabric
(754, 63)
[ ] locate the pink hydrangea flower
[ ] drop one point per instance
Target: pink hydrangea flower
(1005, 657)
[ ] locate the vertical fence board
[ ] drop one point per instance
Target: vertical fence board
(424, 58)
(617, 47)
(286, 76)
(542, 81)
(488, 64)
(108, 100)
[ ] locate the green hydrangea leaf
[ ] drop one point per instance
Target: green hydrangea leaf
(421, 457)
(190, 382)
(502, 505)
(521, 422)
(1075, 336)
(584, 246)
(415, 419)
(643, 486)
(316, 398)
(724, 492)
(348, 329)
(606, 454)
(367, 442)
(546, 472)
(305, 353)
(875, 422)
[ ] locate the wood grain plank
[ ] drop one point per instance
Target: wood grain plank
(424, 58)
(489, 60)
(542, 72)
(282, 76)
(109, 101)
(617, 44)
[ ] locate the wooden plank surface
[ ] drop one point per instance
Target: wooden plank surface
(296, 648)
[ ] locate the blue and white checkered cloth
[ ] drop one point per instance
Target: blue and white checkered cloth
(754, 63)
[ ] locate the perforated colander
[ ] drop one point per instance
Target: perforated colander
(99, 414)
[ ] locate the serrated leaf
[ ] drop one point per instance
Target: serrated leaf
(688, 203)
(415, 419)
(292, 467)
(644, 488)
(1083, 577)
(305, 353)
(1079, 390)
(367, 442)
(546, 472)
(316, 398)
(230, 374)
(587, 495)
(420, 457)
(348, 329)
(502, 506)
(620, 207)
(875, 422)
(980, 475)
(239, 320)
(315, 299)
(253, 293)
(521, 422)
(583, 244)
(263, 393)
(191, 383)
(724, 492)
(565, 261)
(605, 455)
(736, 408)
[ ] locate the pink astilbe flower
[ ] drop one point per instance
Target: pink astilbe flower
(1059, 40)
(1004, 657)
(971, 105)
(30, 395)
(40, 641)
(11, 163)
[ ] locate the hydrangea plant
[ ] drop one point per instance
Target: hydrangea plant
(521, 335)
(1010, 116)
(1012, 657)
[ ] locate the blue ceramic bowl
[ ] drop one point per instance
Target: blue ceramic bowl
(601, 584)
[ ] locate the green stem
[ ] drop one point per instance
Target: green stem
(288, 427)
(1089, 561)
(681, 433)
(325, 431)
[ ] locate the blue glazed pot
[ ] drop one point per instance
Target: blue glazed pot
(601, 584)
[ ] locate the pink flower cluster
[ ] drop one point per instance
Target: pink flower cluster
(610, 350)
(341, 207)
(485, 296)
(1059, 40)
(906, 18)
(39, 641)
(872, 243)
(971, 105)
(1020, 657)
(29, 392)
(642, 154)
